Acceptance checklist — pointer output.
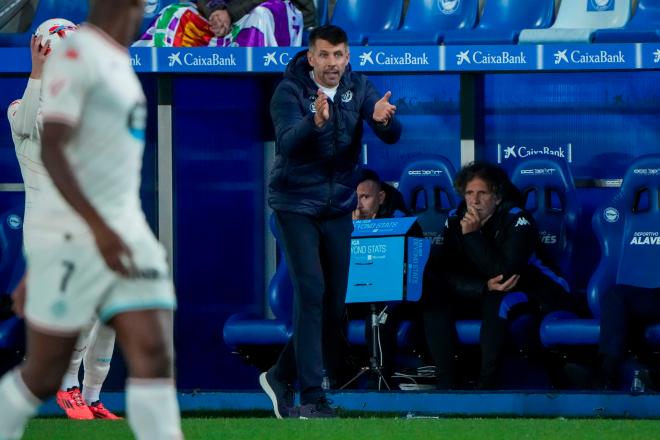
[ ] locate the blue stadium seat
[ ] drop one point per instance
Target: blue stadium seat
(577, 20)
(73, 10)
(427, 21)
(644, 27)
(634, 208)
(427, 186)
(551, 197)
(322, 12)
(151, 9)
(360, 18)
(502, 21)
(250, 329)
(12, 267)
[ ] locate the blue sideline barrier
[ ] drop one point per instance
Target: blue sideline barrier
(552, 57)
(474, 404)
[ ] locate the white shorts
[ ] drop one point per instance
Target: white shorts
(69, 283)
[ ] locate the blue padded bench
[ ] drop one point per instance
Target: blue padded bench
(577, 20)
(502, 21)
(360, 18)
(644, 27)
(427, 21)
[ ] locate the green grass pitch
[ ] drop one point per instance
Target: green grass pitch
(381, 428)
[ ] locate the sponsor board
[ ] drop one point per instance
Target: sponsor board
(395, 58)
(272, 59)
(506, 152)
(141, 59)
(591, 56)
(491, 57)
(15, 60)
(201, 60)
(650, 56)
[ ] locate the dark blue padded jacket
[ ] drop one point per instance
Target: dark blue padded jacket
(316, 169)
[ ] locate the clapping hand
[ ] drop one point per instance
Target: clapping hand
(383, 110)
(322, 107)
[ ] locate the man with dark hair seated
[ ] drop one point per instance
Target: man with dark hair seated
(378, 199)
(490, 248)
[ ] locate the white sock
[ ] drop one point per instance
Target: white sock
(70, 378)
(97, 359)
(153, 410)
(17, 405)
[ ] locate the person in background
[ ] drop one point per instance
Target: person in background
(318, 112)
(93, 251)
(96, 342)
(236, 23)
(490, 249)
(377, 199)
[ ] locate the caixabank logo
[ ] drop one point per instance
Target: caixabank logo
(650, 56)
(590, 56)
(508, 152)
(272, 59)
(201, 60)
(491, 57)
(405, 59)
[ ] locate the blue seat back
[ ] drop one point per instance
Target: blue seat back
(517, 14)
(436, 15)
(360, 17)
(647, 15)
(151, 10)
(280, 288)
(322, 12)
(427, 186)
(551, 197)
(628, 230)
(12, 262)
(73, 10)
(593, 14)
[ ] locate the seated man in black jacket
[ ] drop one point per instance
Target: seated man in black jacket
(490, 248)
(378, 199)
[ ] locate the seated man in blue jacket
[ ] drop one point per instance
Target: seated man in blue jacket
(318, 112)
(490, 248)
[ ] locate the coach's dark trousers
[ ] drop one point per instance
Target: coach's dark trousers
(317, 251)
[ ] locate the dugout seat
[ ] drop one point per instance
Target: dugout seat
(248, 329)
(578, 20)
(428, 190)
(502, 21)
(360, 18)
(551, 197)
(427, 21)
(643, 27)
(73, 10)
(635, 208)
(12, 267)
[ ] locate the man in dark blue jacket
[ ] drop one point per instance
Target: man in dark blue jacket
(318, 112)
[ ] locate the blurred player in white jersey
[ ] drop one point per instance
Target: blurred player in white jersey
(96, 342)
(93, 251)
